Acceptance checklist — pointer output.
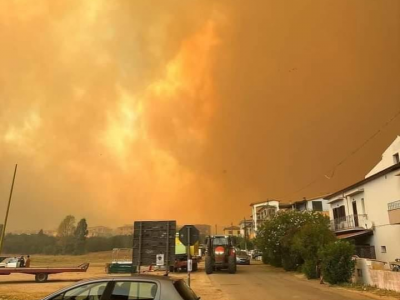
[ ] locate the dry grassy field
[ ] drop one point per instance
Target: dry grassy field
(24, 287)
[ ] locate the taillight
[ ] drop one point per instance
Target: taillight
(219, 250)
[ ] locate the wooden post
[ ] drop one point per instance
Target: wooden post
(3, 232)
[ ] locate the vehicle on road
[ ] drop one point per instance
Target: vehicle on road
(9, 262)
(42, 274)
(242, 258)
(144, 287)
(220, 254)
(255, 254)
(181, 256)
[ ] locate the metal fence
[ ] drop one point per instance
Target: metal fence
(349, 222)
(365, 252)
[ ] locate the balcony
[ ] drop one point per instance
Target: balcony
(394, 212)
(350, 222)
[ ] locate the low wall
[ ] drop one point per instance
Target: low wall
(387, 280)
(376, 274)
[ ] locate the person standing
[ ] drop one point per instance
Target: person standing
(28, 262)
(21, 261)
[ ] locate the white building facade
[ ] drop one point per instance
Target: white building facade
(368, 212)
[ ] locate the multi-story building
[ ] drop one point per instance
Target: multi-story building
(265, 210)
(318, 204)
(247, 228)
(232, 230)
(368, 212)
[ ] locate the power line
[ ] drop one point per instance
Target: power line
(333, 170)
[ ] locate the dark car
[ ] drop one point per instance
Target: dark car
(256, 253)
(144, 287)
(242, 258)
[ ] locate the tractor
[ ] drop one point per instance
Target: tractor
(220, 254)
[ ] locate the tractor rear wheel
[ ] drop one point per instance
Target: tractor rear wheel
(209, 265)
(232, 264)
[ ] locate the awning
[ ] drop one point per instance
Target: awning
(354, 234)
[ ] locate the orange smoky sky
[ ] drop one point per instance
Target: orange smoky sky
(189, 110)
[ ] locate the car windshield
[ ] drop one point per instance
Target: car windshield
(185, 291)
(220, 241)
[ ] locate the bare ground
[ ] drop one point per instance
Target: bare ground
(24, 287)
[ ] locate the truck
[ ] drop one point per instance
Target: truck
(181, 256)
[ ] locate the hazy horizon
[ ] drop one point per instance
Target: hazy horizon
(119, 111)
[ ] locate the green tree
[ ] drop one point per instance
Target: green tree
(337, 262)
(80, 235)
(65, 234)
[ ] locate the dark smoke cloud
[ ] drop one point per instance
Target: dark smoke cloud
(189, 110)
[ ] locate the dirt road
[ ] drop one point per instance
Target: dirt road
(261, 282)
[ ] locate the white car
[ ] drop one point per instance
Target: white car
(10, 262)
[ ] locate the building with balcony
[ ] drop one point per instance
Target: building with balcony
(232, 230)
(247, 228)
(318, 204)
(368, 212)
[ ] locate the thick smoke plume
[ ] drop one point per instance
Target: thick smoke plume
(189, 110)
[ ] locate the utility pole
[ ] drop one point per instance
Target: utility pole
(245, 233)
(3, 232)
(216, 230)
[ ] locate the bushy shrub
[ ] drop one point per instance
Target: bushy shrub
(309, 268)
(276, 236)
(308, 241)
(337, 263)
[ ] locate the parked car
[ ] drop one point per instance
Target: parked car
(144, 287)
(255, 254)
(9, 262)
(242, 258)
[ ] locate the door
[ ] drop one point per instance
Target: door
(355, 214)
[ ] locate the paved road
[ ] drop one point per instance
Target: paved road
(260, 282)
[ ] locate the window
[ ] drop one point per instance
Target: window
(184, 290)
(317, 205)
(125, 290)
(339, 213)
(396, 158)
(238, 232)
(220, 241)
(230, 232)
(92, 291)
(383, 249)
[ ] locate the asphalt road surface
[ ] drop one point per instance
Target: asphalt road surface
(260, 282)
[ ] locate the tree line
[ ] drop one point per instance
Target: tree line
(71, 239)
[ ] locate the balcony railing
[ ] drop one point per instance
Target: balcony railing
(394, 205)
(349, 222)
(365, 251)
